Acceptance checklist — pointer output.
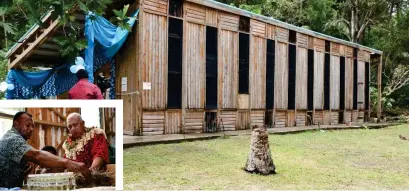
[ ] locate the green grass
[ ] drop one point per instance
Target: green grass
(349, 159)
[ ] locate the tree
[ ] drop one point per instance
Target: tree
(356, 16)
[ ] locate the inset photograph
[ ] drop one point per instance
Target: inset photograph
(57, 148)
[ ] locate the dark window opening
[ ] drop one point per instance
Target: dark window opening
(327, 74)
(342, 83)
(367, 85)
(211, 68)
(355, 53)
(268, 119)
(366, 116)
(244, 24)
(292, 56)
(309, 118)
(292, 37)
(244, 53)
(270, 74)
(355, 92)
(327, 46)
(341, 117)
(176, 8)
(211, 122)
(310, 88)
(175, 64)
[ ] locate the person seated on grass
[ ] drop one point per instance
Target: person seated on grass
(43, 170)
(86, 145)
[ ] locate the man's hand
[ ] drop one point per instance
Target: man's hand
(28, 170)
(78, 167)
(96, 164)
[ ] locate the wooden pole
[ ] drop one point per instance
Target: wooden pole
(379, 90)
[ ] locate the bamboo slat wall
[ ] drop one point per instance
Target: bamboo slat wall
(280, 119)
(301, 78)
(229, 120)
(173, 122)
(257, 118)
(154, 61)
(258, 28)
(319, 45)
(194, 122)
(349, 52)
(155, 6)
(50, 129)
(319, 117)
(194, 65)
(195, 13)
(334, 118)
(282, 34)
(243, 120)
(211, 17)
(153, 69)
(229, 21)
(319, 80)
(291, 119)
(228, 69)
(355, 116)
(348, 116)
(349, 83)
(153, 123)
(257, 71)
(270, 31)
(109, 119)
(361, 85)
(301, 118)
(327, 118)
(335, 83)
(302, 40)
(126, 68)
(361, 115)
(243, 101)
(281, 77)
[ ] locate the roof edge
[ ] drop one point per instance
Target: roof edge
(270, 20)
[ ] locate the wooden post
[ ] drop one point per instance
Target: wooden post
(379, 110)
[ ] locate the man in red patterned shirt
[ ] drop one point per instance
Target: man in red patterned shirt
(84, 89)
(86, 145)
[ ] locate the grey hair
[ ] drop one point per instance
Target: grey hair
(74, 115)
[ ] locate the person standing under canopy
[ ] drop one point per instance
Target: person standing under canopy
(84, 89)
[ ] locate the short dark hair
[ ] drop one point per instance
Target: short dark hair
(19, 114)
(50, 149)
(82, 74)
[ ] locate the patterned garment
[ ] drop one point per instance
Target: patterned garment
(85, 90)
(12, 149)
(91, 145)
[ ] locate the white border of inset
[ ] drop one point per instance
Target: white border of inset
(117, 104)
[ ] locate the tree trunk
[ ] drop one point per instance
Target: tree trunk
(259, 159)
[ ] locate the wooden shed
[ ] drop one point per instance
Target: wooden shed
(191, 62)
(50, 125)
(194, 66)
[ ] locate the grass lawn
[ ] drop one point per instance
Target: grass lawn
(347, 159)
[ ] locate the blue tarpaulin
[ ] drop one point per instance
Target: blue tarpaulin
(108, 36)
(104, 40)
